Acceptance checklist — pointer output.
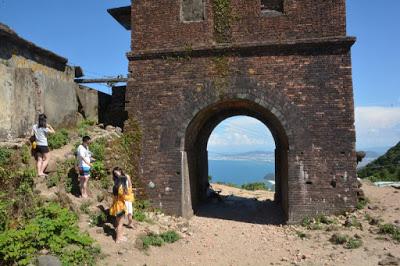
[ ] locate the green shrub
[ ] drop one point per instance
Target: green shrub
(53, 180)
(25, 154)
(324, 219)
(255, 186)
(26, 181)
(53, 228)
(390, 229)
(58, 139)
(139, 215)
(142, 205)
(83, 127)
(228, 184)
(87, 123)
(98, 148)
(85, 206)
(306, 221)
(5, 155)
(4, 214)
(98, 170)
(152, 239)
(315, 226)
(353, 222)
(353, 243)
(361, 203)
(302, 235)
(338, 239)
(98, 219)
(105, 182)
(170, 236)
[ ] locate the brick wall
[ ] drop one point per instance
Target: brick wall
(292, 72)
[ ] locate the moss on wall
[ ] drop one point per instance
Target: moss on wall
(223, 17)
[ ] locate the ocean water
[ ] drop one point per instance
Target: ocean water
(239, 172)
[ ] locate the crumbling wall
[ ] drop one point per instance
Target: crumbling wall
(34, 80)
(88, 102)
(112, 108)
(26, 93)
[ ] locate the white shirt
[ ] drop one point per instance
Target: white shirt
(40, 135)
(83, 153)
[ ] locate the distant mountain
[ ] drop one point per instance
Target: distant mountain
(385, 168)
(370, 156)
(245, 156)
(270, 176)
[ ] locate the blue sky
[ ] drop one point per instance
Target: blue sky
(83, 32)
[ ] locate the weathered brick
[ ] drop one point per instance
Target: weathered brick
(291, 71)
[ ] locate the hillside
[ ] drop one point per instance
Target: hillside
(385, 168)
(237, 227)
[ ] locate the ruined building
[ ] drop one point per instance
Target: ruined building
(286, 63)
(34, 80)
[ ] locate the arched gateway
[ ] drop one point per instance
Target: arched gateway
(287, 63)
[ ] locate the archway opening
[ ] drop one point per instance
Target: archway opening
(196, 165)
(241, 154)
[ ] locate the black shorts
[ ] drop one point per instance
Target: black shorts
(42, 149)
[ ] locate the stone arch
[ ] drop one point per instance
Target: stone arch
(199, 129)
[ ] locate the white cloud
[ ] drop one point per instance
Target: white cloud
(240, 133)
(377, 126)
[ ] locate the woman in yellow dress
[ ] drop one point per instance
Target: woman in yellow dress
(129, 197)
(118, 208)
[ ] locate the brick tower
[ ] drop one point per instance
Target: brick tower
(286, 63)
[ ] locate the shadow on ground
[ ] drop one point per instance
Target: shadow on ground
(242, 209)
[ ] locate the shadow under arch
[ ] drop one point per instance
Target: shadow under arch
(195, 156)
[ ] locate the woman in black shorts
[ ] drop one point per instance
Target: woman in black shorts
(41, 130)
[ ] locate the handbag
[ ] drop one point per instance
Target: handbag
(32, 140)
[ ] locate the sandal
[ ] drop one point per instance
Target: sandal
(129, 226)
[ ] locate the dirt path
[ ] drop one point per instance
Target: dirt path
(217, 237)
(242, 229)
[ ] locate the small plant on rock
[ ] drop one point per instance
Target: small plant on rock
(302, 235)
(58, 139)
(85, 207)
(170, 236)
(53, 180)
(353, 243)
(158, 240)
(98, 219)
(338, 239)
(25, 153)
(353, 222)
(5, 155)
(390, 229)
(98, 148)
(361, 203)
(99, 170)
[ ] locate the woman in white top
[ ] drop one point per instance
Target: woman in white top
(41, 130)
(85, 160)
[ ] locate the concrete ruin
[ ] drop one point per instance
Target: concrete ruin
(34, 80)
(286, 63)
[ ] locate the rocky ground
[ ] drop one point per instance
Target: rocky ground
(242, 228)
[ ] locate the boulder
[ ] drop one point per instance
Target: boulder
(48, 260)
(390, 260)
(52, 166)
(110, 128)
